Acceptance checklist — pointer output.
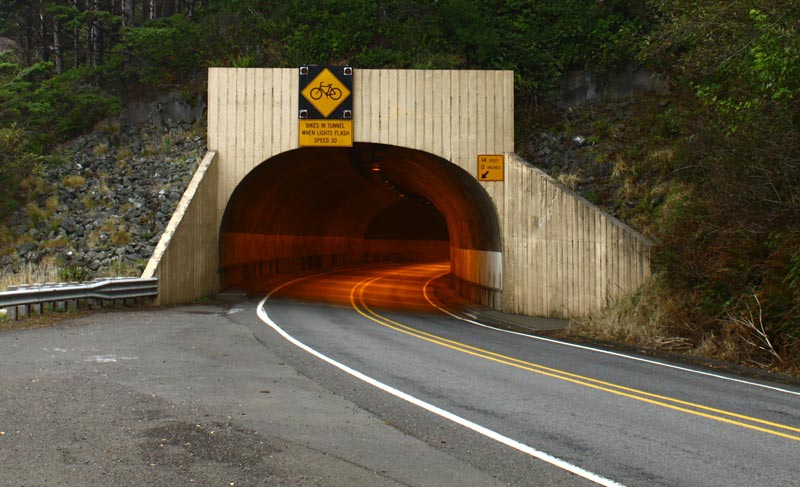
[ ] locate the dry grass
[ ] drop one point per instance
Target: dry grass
(88, 201)
(572, 181)
(662, 158)
(120, 237)
(124, 153)
(151, 150)
(51, 205)
(56, 243)
(647, 320)
(74, 181)
(121, 268)
(100, 149)
(634, 320)
(110, 126)
(34, 185)
(31, 274)
(35, 213)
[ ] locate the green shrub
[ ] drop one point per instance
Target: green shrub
(74, 274)
(16, 163)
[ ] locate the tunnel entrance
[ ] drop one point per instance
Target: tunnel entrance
(322, 207)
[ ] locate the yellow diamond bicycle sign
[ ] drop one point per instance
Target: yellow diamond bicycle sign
(325, 106)
(325, 92)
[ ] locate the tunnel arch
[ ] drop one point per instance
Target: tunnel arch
(322, 207)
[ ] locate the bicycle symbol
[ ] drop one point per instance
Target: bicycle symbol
(328, 90)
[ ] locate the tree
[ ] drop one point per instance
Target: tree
(95, 33)
(57, 46)
(128, 9)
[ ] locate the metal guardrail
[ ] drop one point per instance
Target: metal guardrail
(23, 298)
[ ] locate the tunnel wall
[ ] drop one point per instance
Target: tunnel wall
(478, 266)
(564, 257)
(186, 257)
(258, 255)
(456, 115)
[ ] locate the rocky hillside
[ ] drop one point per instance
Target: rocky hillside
(610, 151)
(102, 207)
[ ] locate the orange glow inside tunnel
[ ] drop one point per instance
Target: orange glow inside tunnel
(378, 286)
(320, 208)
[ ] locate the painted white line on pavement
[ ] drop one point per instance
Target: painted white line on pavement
(599, 350)
(521, 447)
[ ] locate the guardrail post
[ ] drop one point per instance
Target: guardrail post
(73, 303)
(59, 306)
(11, 311)
(25, 310)
(37, 308)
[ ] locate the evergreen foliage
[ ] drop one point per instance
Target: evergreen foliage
(732, 246)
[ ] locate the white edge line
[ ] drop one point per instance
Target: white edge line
(600, 350)
(545, 457)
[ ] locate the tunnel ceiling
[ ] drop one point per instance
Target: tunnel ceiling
(370, 190)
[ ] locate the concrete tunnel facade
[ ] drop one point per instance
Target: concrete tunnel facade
(259, 203)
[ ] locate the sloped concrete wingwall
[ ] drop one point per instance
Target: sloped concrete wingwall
(562, 255)
(186, 258)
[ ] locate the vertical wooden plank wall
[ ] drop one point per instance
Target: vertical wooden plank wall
(185, 259)
(252, 116)
(456, 115)
(562, 255)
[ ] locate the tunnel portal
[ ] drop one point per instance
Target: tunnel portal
(322, 207)
(413, 186)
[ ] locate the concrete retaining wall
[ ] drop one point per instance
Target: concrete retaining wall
(563, 256)
(186, 257)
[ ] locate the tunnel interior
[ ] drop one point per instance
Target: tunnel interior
(323, 207)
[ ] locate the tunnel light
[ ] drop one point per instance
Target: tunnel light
(303, 114)
(348, 71)
(303, 70)
(347, 114)
(376, 167)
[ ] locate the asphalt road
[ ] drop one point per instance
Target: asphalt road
(189, 396)
(210, 394)
(628, 421)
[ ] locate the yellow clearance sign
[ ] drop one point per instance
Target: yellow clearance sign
(326, 106)
(490, 167)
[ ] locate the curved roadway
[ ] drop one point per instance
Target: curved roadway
(528, 410)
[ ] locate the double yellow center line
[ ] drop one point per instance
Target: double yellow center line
(358, 302)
